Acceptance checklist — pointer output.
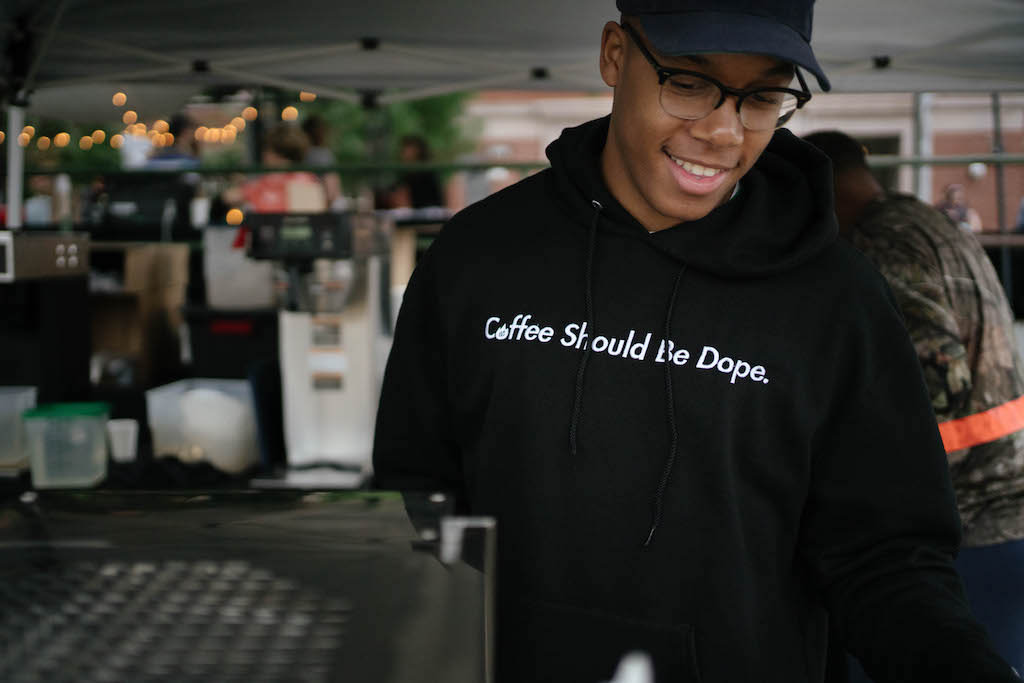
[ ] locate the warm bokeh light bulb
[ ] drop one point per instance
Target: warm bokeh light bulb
(201, 133)
(289, 114)
(116, 141)
(129, 117)
(98, 136)
(139, 129)
(234, 217)
(29, 130)
(43, 143)
(61, 139)
(24, 139)
(2, 137)
(213, 135)
(168, 139)
(85, 143)
(307, 96)
(239, 123)
(161, 126)
(250, 113)
(119, 99)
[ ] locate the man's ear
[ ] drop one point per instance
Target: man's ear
(613, 50)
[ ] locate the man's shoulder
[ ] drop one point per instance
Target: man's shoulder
(908, 218)
(511, 211)
(528, 194)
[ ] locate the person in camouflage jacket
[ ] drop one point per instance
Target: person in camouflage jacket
(960, 322)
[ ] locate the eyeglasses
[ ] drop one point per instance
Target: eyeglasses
(692, 95)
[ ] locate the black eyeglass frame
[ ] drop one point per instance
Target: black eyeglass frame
(665, 73)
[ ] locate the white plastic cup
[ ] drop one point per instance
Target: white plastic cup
(124, 439)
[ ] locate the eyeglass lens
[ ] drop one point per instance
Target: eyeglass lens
(692, 97)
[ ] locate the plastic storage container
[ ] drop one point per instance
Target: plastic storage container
(208, 420)
(13, 402)
(67, 444)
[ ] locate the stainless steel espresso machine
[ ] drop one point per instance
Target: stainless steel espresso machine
(333, 295)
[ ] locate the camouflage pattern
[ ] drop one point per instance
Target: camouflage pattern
(962, 327)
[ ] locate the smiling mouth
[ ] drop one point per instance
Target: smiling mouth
(696, 169)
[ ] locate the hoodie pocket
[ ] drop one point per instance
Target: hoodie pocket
(544, 641)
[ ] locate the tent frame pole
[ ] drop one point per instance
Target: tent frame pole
(15, 166)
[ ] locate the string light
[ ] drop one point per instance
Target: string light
(161, 126)
(116, 141)
(307, 96)
(129, 117)
(29, 130)
(234, 217)
(43, 143)
(201, 133)
(250, 113)
(85, 143)
(24, 139)
(213, 135)
(119, 99)
(2, 137)
(98, 136)
(61, 139)
(168, 139)
(289, 114)
(239, 123)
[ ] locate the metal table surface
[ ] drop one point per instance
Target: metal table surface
(240, 586)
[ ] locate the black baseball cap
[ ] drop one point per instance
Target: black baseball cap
(777, 28)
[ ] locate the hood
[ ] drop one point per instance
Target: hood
(781, 217)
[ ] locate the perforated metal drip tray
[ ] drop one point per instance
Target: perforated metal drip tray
(181, 621)
(219, 587)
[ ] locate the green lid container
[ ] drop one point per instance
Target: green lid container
(67, 410)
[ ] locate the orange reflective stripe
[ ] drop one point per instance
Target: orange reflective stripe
(983, 427)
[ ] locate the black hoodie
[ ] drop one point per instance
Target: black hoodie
(739, 445)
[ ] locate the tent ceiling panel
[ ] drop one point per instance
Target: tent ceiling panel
(931, 45)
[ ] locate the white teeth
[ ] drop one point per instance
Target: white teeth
(696, 169)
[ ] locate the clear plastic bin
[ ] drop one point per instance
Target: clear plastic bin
(208, 420)
(67, 444)
(13, 402)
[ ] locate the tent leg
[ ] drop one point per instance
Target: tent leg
(997, 148)
(15, 165)
(923, 145)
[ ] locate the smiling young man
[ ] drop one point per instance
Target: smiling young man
(696, 416)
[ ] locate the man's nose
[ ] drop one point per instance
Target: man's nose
(722, 127)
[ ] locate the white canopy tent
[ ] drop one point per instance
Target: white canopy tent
(59, 51)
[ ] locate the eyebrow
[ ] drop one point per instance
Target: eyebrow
(780, 69)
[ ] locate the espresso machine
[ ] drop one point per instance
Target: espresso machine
(332, 287)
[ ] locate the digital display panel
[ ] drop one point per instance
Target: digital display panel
(296, 233)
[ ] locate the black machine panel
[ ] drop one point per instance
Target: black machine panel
(302, 237)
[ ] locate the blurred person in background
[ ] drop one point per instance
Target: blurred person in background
(961, 325)
(418, 188)
(319, 153)
(954, 205)
(280, 191)
(183, 153)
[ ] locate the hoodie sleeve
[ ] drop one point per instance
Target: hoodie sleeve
(414, 448)
(880, 526)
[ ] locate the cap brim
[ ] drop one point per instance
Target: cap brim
(689, 33)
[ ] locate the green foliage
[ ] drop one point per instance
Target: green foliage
(70, 157)
(358, 134)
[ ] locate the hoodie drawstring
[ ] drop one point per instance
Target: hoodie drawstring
(577, 407)
(670, 406)
(670, 403)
